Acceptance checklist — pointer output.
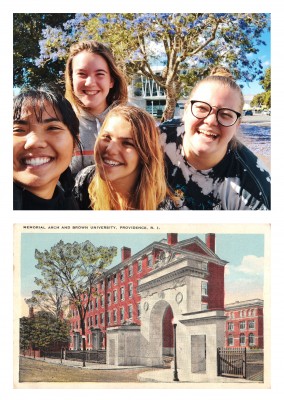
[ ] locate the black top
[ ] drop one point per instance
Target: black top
(238, 182)
(81, 194)
(25, 200)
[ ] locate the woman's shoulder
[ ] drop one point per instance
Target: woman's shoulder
(82, 182)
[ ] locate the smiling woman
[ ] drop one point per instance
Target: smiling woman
(45, 132)
(129, 172)
(206, 164)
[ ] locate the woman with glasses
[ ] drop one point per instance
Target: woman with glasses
(206, 164)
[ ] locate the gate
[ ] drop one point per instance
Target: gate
(231, 362)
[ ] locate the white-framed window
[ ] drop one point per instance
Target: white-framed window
(204, 288)
(251, 324)
(102, 318)
(232, 315)
(253, 312)
(139, 310)
(130, 289)
(130, 311)
(230, 326)
(139, 265)
(122, 293)
(241, 313)
(130, 270)
(96, 319)
(150, 261)
(91, 321)
(115, 296)
(251, 339)
(109, 282)
(121, 314)
(96, 302)
(109, 298)
(242, 325)
(122, 274)
(230, 340)
(114, 316)
(115, 279)
(102, 285)
(204, 306)
(245, 313)
(108, 317)
(91, 305)
(242, 339)
(102, 301)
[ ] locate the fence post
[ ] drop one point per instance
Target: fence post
(245, 364)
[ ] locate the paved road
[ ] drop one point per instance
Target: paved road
(260, 119)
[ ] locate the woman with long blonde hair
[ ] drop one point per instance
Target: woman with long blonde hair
(129, 168)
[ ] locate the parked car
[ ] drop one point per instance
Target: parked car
(266, 112)
(248, 112)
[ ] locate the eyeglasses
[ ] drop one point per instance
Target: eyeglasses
(225, 116)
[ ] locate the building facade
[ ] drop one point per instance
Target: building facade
(118, 300)
(244, 324)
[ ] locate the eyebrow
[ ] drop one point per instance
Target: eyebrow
(120, 138)
(44, 121)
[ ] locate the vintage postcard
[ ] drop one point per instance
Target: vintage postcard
(142, 306)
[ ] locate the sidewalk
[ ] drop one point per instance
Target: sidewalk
(155, 375)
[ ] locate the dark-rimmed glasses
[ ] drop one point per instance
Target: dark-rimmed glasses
(225, 116)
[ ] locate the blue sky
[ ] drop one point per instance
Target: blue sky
(243, 252)
(264, 55)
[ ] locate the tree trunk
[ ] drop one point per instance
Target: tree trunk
(171, 101)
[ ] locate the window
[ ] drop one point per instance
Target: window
(121, 314)
(114, 316)
(232, 315)
(251, 339)
(139, 265)
(230, 340)
(102, 285)
(130, 270)
(96, 320)
(253, 312)
(204, 306)
(230, 326)
(130, 289)
(245, 313)
(130, 311)
(150, 261)
(122, 293)
(115, 279)
(204, 288)
(115, 296)
(139, 310)
(251, 324)
(109, 298)
(241, 313)
(96, 302)
(102, 301)
(91, 321)
(242, 340)
(108, 318)
(122, 275)
(102, 318)
(109, 282)
(242, 325)
(91, 305)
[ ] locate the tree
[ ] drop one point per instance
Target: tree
(188, 45)
(264, 99)
(27, 30)
(43, 331)
(73, 269)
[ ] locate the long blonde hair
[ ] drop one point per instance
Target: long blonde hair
(118, 93)
(151, 187)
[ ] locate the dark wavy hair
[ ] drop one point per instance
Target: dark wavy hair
(36, 99)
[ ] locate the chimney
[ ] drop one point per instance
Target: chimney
(172, 238)
(31, 312)
(125, 253)
(210, 241)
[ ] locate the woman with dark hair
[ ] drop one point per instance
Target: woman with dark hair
(45, 135)
(205, 162)
(94, 85)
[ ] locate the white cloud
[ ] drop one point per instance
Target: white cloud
(250, 265)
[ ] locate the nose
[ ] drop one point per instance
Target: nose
(212, 118)
(89, 81)
(112, 147)
(34, 140)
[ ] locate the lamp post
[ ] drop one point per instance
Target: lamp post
(175, 353)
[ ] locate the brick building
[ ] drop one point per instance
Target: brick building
(244, 324)
(119, 303)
